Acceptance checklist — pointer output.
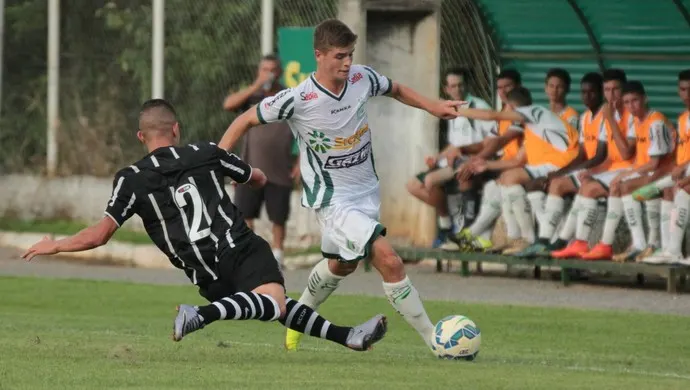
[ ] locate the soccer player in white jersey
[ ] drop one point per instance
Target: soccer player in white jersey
(327, 112)
(549, 142)
(443, 193)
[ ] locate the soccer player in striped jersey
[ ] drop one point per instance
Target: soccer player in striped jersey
(328, 114)
(177, 191)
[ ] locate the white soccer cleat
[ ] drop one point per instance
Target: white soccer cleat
(663, 257)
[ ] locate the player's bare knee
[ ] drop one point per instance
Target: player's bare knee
(275, 291)
(341, 268)
(668, 193)
(591, 191)
(514, 176)
(387, 261)
(560, 186)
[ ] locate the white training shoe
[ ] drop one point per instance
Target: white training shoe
(664, 257)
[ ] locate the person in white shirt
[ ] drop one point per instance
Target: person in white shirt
(454, 208)
(328, 114)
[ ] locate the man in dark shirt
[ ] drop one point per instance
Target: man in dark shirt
(177, 191)
(269, 148)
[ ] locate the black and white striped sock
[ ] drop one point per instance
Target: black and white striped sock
(304, 319)
(241, 306)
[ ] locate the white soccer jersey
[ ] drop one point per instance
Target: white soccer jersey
(333, 133)
(464, 131)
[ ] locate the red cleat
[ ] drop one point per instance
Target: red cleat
(599, 252)
(574, 250)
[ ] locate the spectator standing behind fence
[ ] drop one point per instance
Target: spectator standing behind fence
(268, 147)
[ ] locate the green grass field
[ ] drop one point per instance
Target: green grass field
(73, 334)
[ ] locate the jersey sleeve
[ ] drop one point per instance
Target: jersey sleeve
(122, 203)
(659, 139)
(525, 112)
(379, 85)
(602, 132)
(277, 108)
(233, 167)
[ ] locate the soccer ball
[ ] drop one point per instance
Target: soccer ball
(456, 337)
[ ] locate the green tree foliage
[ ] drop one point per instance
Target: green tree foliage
(211, 47)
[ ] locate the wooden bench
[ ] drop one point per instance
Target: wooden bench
(675, 275)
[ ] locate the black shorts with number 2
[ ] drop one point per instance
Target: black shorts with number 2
(243, 268)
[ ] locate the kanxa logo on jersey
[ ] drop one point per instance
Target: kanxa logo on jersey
(276, 98)
(308, 96)
(350, 159)
(356, 77)
(341, 109)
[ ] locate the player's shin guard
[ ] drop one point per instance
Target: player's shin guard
(241, 306)
(568, 230)
(490, 209)
(470, 200)
(516, 197)
(322, 282)
(303, 319)
(536, 201)
(679, 221)
(666, 210)
(633, 215)
(406, 301)
(653, 213)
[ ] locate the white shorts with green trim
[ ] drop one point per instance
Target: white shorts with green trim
(348, 229)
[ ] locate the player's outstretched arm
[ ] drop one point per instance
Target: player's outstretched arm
(238, 127)
(445, 109)
(89, 238)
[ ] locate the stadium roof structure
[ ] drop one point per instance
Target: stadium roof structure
(649, 39)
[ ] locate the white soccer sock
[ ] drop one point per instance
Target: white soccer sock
(405, 300)
(666, 210)
(633, 216)
(444, 222)
(455, 210)
(586, 218)
(679, 220)
(614, 213)
(653, 221)
(553, 210)
(516, 196)
(489, 210)
(536, 201)
(568, 230)
(512, 227)
(321, 283)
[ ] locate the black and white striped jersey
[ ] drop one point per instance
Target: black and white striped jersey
(178, 192)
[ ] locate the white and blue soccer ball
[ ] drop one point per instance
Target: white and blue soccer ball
(456, 337)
